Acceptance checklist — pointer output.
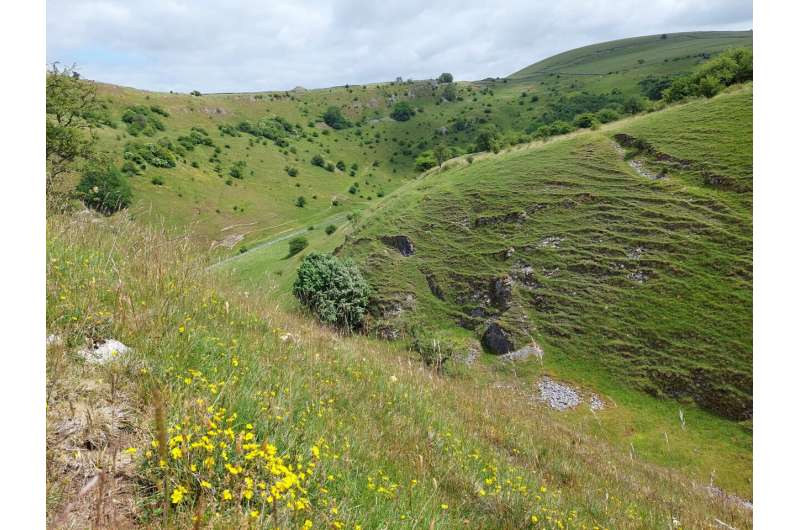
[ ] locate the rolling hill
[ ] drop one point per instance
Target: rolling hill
(590, 288)
(627, 250)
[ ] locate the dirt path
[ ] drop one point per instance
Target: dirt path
(282, 236)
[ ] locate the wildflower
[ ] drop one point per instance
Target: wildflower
(393, 379)
(178, 493)
(444, 506)
(307, 525)
(227, 495)
(254, 514)
(176, 453)
(205, 484)
(181, 329)
(131, 450)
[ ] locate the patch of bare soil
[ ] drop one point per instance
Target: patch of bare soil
(93, 417)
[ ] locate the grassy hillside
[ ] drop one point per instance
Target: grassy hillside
(573, 245)
(230, 213)
(230, 413)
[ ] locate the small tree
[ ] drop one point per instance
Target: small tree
(333, 118)
(103, 188)
(71, 106)
(446, 77)
(449, 92)
(297, 244)
(402, 111)
(487, 139)
(333, 289)
(441, 152)
(317, 160)
(330, 229)
(300, 202)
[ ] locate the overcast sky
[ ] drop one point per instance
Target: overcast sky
(249, 45)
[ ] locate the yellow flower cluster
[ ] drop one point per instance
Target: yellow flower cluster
(214, 454)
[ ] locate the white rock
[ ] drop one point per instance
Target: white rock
(104, 352)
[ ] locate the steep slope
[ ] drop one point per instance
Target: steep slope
(633, 264)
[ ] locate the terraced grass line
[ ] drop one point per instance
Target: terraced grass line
(650, 280)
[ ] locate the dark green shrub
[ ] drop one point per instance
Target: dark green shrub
(300, 202)
(330, 229)
(487, 139)
(103, 188)
(291, 171)
(142, 120)
(317, 160)
(297, 244)
(402, 111)
(585, 120)
(446, 77)
(333, 289)
(157, 181)
(340, 165)
(425, 161)
(333, 118)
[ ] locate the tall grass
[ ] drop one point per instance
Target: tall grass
(381, 441)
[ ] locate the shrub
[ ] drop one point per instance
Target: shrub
(487, 139)
(607, 115)
(425, 161)
(402, 111)
(297, 244)
(103, 188)
(300, 202)
(157, 181)
(317, 160)
(330, 229)
(330, 167)
(333, 118)
(143, 120)
(157, 154)
(433, 351)
(237, 169)
(340, 165)
(291, 171)
(333, 289)
(585, 120)
(446, 77)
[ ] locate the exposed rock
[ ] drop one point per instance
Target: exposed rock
(501, 292)
(595, 403)
(402, 243)
(635, 253)
(433, 285)
(510, 252)
(491, 220)
(558, 395)
(523, 353)
(104, 352)
(550, 242)
(638, 276)
(497, 340)
(387, 332)
(54, 340)
(524, 275)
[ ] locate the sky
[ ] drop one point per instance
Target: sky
(254, 45)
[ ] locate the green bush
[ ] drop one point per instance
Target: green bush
(157, 181)
(333, 289)
(300, 202)
(402, 111)
(446, 77)
(487, 139)
(317, 160)
(103, 188)
(333, 118)
(425, 161)
(143, 120)
(732, 66)
(330, 229)
(433, 351)
(296, 244)
(585, 120)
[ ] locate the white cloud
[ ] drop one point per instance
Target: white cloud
(241, 45)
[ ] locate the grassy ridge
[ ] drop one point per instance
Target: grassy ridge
(385, 443)
(649, 279)
(262, 204)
